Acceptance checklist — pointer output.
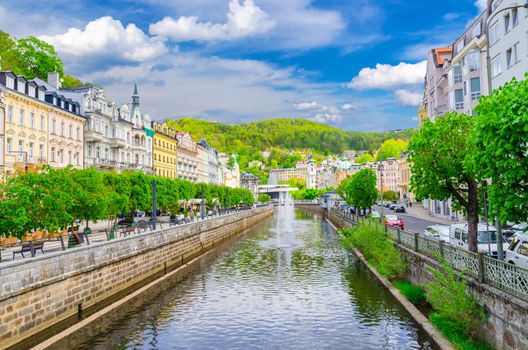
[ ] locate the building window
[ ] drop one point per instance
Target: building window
(475, 88)
(21, 118)
(97, 152)
(71, 131)
(77, 161)
(89, 150)
(516, 53)
(31, 149)
(52, 154)
(515, 18)
(42, 122)
(20, 146)
(62, 129)
(32, 120)
(494, 33)
(459, 99)
(54, 126)
(70, 157)
(458, 74)
(41, 152)
(9, 145)
(61, 156)
(78, 133)
(477, 29)
(507, 22)
(10, 114)
(496, 68)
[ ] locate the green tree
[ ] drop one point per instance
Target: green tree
(359, 190)
(438, 154)
(39, 58)
(264, 198)
(390, 195)
(367, 157)
(89, 202)
(500, 140)
(69, 81)
(392, 149)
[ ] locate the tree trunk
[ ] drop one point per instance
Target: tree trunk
(473, 216)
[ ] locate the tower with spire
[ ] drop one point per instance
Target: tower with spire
(135, 112)
(135, 97)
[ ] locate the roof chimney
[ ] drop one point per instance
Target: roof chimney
(54, 80)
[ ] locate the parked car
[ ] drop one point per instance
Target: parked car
(375, 214)
(392, 206)
(486, 238)
(393, 221)
(387, 204)
(440, 232)
(399, 209)
(517, 253)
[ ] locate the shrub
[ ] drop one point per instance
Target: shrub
(415, 294)
(378, 249)
(448, 297)
(451, 330)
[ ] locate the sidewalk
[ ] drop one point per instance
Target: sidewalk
(420, 212)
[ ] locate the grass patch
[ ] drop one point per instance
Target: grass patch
(452, 331)
(377, 247)
(415, 294)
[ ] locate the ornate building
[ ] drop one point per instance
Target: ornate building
(215, 174)
(311, 174)
(187, 157)
(165, 150)
(40, 125)
(116, 138)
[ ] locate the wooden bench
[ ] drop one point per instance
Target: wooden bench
(30, 247)
(143, 225)
(125, 231)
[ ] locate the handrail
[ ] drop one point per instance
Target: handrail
(509, 278)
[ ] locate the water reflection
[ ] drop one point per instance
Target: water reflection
(306, 292)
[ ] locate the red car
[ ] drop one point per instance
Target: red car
(393, 221)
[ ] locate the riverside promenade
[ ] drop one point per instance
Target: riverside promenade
(43, 291)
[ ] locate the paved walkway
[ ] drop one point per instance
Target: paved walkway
(420, 212)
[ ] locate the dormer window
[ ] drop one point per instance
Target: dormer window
(54, 100)
(10, 82)
(31, 91)
(21, 86)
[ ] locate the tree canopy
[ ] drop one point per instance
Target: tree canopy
(500, 148)
(437, 154)
(359, 190)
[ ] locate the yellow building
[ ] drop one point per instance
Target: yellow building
(29, 107)
(165, 150)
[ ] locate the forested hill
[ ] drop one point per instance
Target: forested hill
(281, 133)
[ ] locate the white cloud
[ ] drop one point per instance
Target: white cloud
(242, 21)
(328, 118)
(303, 106)
(451, 16)
(386, 76)
(106, 36)
(349, 106)
(481, 5)
(408, 97)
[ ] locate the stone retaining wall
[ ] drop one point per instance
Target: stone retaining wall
(39, 292)
(507, 326)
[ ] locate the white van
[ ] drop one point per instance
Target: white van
(517, 253)
(486, 238)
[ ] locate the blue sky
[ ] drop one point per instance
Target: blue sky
(353, 64)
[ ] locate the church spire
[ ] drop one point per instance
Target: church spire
(135, 96)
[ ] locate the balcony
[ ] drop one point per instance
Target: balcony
(440, 109)
(116, 142)
(93, 136)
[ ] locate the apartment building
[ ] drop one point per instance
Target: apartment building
(467, 69)
(436, 95)
(187, 157)
(202, 167)
(508, 40)
(287, 174)
(2, 128)
(40, 126)
(214, 173)
(165, 147)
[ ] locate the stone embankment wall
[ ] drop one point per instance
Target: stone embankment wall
(40, 292)
(507, 325)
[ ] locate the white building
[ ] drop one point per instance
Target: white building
(311, 174)
(215, 174)
(187, 167)
(508, 41)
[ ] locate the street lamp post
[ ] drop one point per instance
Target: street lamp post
(202, 211)
(154, 209)
(500, 239)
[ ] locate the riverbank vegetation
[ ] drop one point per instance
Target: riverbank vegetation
(456, 313)
(55, 199)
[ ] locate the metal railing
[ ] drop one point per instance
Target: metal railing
(509, 278)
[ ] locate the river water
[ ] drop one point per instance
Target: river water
(285, 284)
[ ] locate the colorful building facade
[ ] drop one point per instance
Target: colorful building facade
(165, 148)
